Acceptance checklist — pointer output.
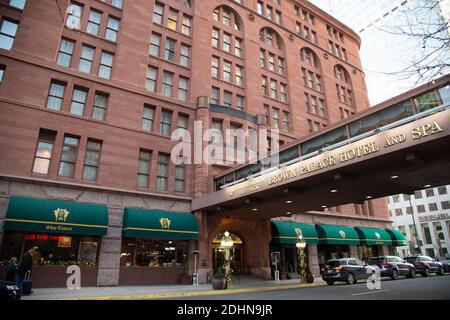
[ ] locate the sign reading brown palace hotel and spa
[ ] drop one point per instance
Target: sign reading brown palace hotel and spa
(92, 91)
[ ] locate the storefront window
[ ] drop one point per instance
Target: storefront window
(53, 250)
(153, 253)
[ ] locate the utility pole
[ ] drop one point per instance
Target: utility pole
(418, 242)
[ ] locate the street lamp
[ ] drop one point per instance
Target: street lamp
(227, 243)
(301, 245)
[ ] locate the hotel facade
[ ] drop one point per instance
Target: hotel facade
(90, 93)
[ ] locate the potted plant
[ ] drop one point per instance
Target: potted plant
(219, 281)
(309, 276)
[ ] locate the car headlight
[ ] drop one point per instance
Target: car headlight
(12, 287)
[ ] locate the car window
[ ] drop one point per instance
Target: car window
(376, 260)
(352, 262)
(396, 259)
(332, 263)
(411, 259)
(359, 262)
(427, 259)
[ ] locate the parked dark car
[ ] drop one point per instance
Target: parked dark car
(10, 291)
(426, 265)
(392, 266)
(347, 270)
(446, 265)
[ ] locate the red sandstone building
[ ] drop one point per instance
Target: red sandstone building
(89, 95)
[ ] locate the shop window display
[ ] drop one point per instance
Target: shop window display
(153, 253)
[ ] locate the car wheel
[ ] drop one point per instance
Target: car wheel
(351, 278)
(330, 283)
(426, 273)
(412, 273)
(394, 274)
(440, 272)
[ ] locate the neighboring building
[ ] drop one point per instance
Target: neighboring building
(383, 50)
(90, 94)
(431, 210)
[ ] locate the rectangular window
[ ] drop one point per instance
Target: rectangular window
(240, 103)
(8, 33)
(322, 107)
(56, 95)
(172, 20)
(19, 4)
(68, 156)
(87, 56)
(93, 25)
(158, 13)
(117, 3)
(275, 118)
(106, 61)
(186, 27)
(215, 38)
(169, 52)
(215, 67)
(271, 62)
(167, 84)
(227, 71)
(281, 66)
(65, 52)
(179, 179)
(144, 168)
(185, 52)
(2, 72)
(163, 172)
(238, 47)
(283, 93)
(429, 193)
(273, 89)
(313, 104)
(285, 121)
(262, 58)
(92, 160)
(183, 84)
(74, 16)
(152, 74)
(78, 101)
(166, 123)
(147, 118)
(100, 105)
(112, 28)
(227, 97)
(239, 76)
(264, 85)
(226, 42)
(44, 150)
(155, 44)
(215, 95)
(266, 114)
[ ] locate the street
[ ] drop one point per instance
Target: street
(431, 288)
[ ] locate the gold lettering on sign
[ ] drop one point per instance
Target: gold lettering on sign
(359, 152)
(391, 141)
(426, 130)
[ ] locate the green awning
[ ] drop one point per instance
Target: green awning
(156, 224)
(56, 216)
(374, 236)
(398, 239)
(287, 233)
(340, 235)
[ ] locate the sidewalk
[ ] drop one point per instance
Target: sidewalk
(161, 292)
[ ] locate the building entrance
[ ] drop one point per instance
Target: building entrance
(218, 254)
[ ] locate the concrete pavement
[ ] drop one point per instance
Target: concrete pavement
(164, 292)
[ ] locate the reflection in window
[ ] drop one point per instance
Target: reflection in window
(324, 140)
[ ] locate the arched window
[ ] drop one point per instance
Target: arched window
(271, 38)
(344, 90)
(228, 17)
(310, 58)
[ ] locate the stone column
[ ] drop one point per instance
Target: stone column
(353, 251)
(4, 200)
(204, 248)
(313, 260)
(111, 246)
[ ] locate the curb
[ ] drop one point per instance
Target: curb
(201, 293)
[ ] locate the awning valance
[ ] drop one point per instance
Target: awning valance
(288, 232)
(398, 239)
(156, 224)
(56, 216)
(339, 235)
(374, 236)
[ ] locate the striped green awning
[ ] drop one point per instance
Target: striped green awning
(287, 232)
(156, 224)
(374, 236)
(339, 235)
(398, 239)
(56, 216)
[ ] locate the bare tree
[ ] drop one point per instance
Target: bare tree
(425, 23)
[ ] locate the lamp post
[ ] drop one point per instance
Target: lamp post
(301, 245)
(227, 243)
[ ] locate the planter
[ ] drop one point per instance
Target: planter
(309, 278)
(185, 279)
(219, 283)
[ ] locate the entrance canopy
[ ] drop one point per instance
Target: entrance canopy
(56, 216)
(374, 236)
(156, 224)
(288, 233)
(339, 235)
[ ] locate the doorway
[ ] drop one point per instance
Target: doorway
(218, 253)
